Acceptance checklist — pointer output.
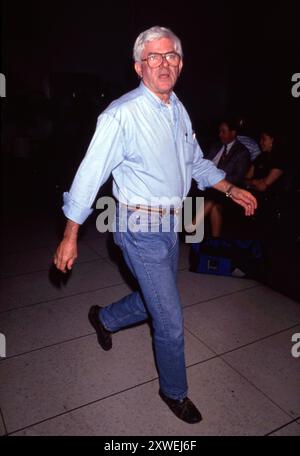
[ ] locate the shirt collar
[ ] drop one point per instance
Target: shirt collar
(229, 146)
(154, 99)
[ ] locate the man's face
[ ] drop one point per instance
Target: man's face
(225, 134)
(162, 79)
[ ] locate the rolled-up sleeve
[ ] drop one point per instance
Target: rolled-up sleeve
(106, 151)
(205, 172)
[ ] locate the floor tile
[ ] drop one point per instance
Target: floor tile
(229, 405)
(48, 382)
(34, 327)
(229, 322)
(27, 234)
(101, 243)
(38, 260)
(290, 430)
(269, 365)
(2, 427)
(200, 287)
(37, 287)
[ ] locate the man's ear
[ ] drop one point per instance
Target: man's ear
(138, 69)
(180, 66)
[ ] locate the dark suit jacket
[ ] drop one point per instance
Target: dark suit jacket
(237, 161)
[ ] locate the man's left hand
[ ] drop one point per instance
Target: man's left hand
(244, 199)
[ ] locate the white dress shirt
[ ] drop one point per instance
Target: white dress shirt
(217, 158)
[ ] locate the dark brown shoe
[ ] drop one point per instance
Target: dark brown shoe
(104, 336)
(184, 409)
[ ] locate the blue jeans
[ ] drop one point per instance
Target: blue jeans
(152, 258)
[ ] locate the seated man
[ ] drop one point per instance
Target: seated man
(232, 157)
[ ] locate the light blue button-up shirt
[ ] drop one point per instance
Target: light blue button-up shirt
(149, 148)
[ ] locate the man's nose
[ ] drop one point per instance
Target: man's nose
(164, 62)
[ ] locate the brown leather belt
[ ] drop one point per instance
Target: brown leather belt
(159, 210)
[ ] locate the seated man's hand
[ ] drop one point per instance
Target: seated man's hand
(244, 199)
(65, 255)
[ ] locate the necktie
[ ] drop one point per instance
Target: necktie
(223, 157)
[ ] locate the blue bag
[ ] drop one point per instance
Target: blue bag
(238, 258)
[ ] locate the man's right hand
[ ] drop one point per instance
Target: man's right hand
(65, 255)
(66, 252)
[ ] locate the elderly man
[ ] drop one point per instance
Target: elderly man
(145, 139)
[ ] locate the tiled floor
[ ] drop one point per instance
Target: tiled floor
(57, 381)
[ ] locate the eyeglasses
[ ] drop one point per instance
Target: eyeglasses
(155, 59)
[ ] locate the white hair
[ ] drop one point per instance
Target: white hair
(153, 34)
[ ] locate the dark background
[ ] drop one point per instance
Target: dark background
(64, 62)
(237, 56)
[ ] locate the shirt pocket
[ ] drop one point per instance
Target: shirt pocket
(189, 147)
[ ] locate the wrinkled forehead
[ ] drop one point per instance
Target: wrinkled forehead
(161, 45)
